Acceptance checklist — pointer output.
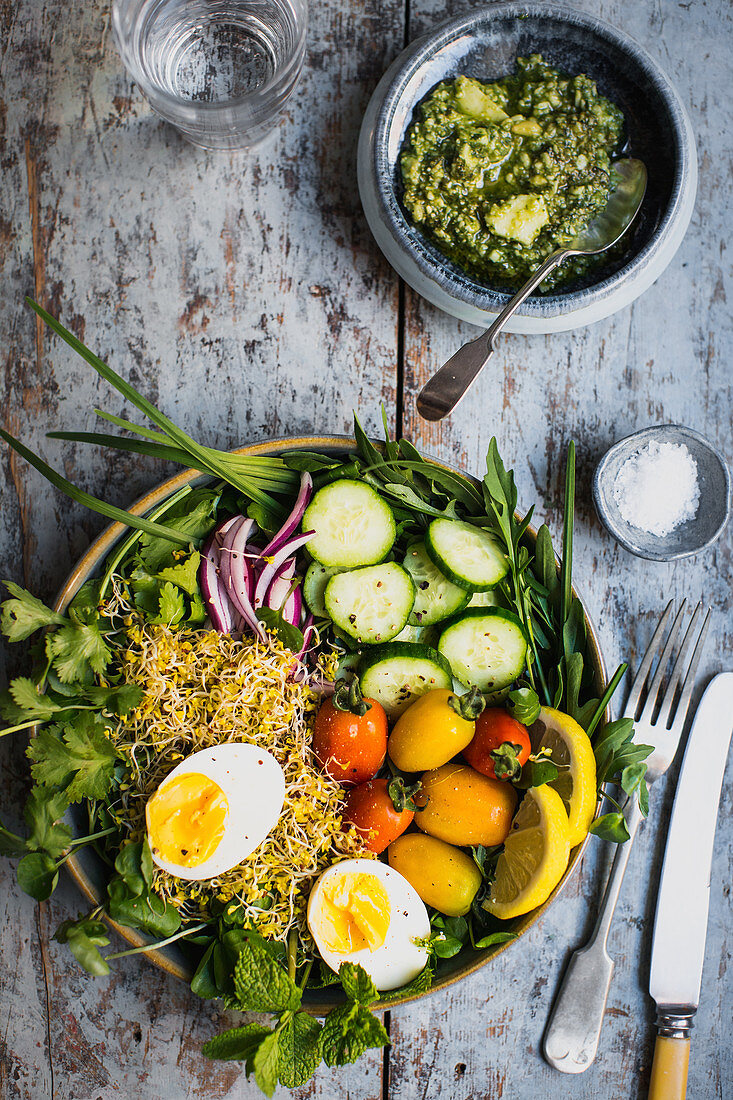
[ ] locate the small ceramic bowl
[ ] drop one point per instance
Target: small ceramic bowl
(485, 44)
(713, 510)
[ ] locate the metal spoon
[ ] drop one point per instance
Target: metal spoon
(445, 389)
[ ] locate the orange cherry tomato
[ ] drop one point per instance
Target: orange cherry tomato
(351, 748)
(370, 808)
(494, 727)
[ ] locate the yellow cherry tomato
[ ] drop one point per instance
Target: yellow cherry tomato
(444, 876)
(429, 733)
(464, 807)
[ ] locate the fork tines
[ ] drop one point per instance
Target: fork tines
(656, 704)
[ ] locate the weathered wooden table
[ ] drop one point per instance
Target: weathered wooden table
(245, 296)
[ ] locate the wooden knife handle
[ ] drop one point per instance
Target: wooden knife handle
(669, 1069)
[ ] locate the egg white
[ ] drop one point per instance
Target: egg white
(254, 786)
(399, 959)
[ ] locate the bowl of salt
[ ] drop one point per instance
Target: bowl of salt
(663, 493)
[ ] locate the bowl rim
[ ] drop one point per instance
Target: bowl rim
(600, 491)
(417, 259)
(96, 553)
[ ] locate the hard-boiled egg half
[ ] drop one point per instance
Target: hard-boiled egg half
(214, 809)
(364, 912)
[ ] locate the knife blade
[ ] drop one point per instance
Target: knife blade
(680, 925)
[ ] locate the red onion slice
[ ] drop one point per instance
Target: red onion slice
(218, 605)
(293, 520)
(272, 567)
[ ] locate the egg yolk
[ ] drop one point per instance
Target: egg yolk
(185, 819)
(354, 913)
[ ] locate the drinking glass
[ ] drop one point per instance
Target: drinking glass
(219, 70)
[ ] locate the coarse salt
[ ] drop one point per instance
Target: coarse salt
(656, 488)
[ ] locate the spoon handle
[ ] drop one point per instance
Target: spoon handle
(444, 390)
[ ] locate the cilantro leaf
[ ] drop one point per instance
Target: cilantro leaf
(195, 523)
(299, 1050)
(77, 756)
(237, 1044)
(42, 812)
(85, 937)
(26, 696)
(184, 574)
(76, 648)
(358, 986)
(37, 875)
(171, 606)
(265, 1063)
(260, 982)
(118, 700)
(22, 616)
(348, 1031)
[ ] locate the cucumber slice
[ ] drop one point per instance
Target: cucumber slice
(486, 647)
(398, 674)
(466, 555)
(371, 604)
(436, 598)
(483, 599)
(426, 635)
(316, 578)
(353, 525)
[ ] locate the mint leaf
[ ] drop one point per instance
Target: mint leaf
(171, 606)
(75, 649)
(260, 982)
(37, 875)
(22, 616)
(184, 574)
(85, 937)
(77, 756)
(237, 1044)
(42, 812)
(265, 1063)
(299, 1050)
(348, 1031)
(358, 986)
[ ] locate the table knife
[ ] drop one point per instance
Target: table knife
(680, 925)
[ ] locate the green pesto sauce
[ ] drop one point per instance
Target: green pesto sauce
(500, 175)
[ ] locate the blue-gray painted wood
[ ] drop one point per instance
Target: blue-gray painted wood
(245, 295)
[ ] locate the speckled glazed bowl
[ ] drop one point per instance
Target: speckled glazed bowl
(87, 869)
(485, 44)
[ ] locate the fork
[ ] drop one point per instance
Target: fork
(574, 1028)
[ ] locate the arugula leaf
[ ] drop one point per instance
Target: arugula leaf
(38, 875)
(77, 647)
(237, 1044)
(42, 812)
(76, 755)
(535, 772)
(147, 911)
(260, 982)
(24, 614)
(610, 827)
(299, 1051)
(523, 704)
(289, 635)
(348, 1031)
(85, 937)
(493, 938)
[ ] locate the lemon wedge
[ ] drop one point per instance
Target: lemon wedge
(576, 784)
(535, 855)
